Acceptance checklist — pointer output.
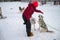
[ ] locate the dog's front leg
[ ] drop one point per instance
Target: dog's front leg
(34, 27)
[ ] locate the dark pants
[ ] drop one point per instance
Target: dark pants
(28, 25)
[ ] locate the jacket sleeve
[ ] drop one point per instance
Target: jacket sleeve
(38, 11)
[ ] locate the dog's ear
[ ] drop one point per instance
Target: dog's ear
(42, 16)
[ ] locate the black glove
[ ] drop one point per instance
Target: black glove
(24, 23)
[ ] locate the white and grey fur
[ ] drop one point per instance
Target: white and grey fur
(42, 24)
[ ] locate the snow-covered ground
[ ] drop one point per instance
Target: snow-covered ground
(12, 27)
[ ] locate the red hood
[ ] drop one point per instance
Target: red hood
(35, 4)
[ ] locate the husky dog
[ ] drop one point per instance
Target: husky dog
(33, 21)
(42, 24)
(21, 9)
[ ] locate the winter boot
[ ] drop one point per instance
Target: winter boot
(31, 34)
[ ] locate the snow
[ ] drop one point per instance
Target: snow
(12, 28)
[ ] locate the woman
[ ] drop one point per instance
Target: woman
(28, 13)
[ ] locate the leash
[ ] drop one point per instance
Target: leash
(53, 27)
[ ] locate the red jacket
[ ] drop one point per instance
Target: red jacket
(29, 11)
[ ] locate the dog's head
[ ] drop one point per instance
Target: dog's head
(21, 9)
(40, 17)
